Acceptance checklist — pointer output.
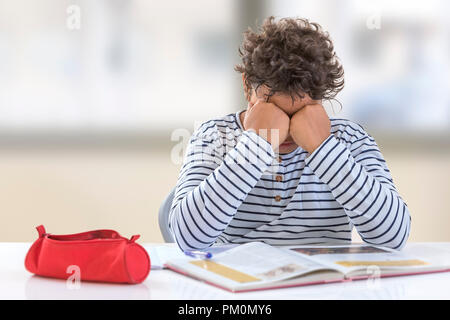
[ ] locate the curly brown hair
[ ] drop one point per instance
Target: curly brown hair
(291, 56)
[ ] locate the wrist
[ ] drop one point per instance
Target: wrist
(259, 141)
(316, 144)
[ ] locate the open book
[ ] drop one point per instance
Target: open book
(259, 266)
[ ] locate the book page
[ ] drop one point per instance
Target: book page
(254, 262)
(159, 255)
(350, 258)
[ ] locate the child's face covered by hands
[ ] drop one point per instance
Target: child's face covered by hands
(309, 124)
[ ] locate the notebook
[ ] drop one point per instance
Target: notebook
(259, 266)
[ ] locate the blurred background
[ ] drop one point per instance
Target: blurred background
(98, 98)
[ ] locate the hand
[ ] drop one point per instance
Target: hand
(310, 126)
(263, 117)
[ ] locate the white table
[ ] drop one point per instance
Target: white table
(17, 283)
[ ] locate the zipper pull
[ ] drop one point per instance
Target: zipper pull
(134, 238)
(41, 230)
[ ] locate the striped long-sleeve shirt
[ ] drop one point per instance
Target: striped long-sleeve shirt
(233, 188)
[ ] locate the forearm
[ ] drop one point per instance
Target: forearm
(202, 214)
(372, 203)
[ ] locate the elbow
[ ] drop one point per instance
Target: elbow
(401, 238)
(184, 238)
(405, 229)
(183, 245)
(405, 236)
(396, 239)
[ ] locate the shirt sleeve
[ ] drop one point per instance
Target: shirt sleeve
(212, 185)
(360, 181)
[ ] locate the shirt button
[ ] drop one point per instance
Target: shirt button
(279, 178)
(279, 159)
(277, 198)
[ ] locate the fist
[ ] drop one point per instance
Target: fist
(268, 121)
(310, 126)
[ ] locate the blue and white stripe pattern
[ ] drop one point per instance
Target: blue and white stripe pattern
(233, 188)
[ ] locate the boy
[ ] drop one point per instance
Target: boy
(281, 171)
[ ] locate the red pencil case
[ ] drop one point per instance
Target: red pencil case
(99, 255)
